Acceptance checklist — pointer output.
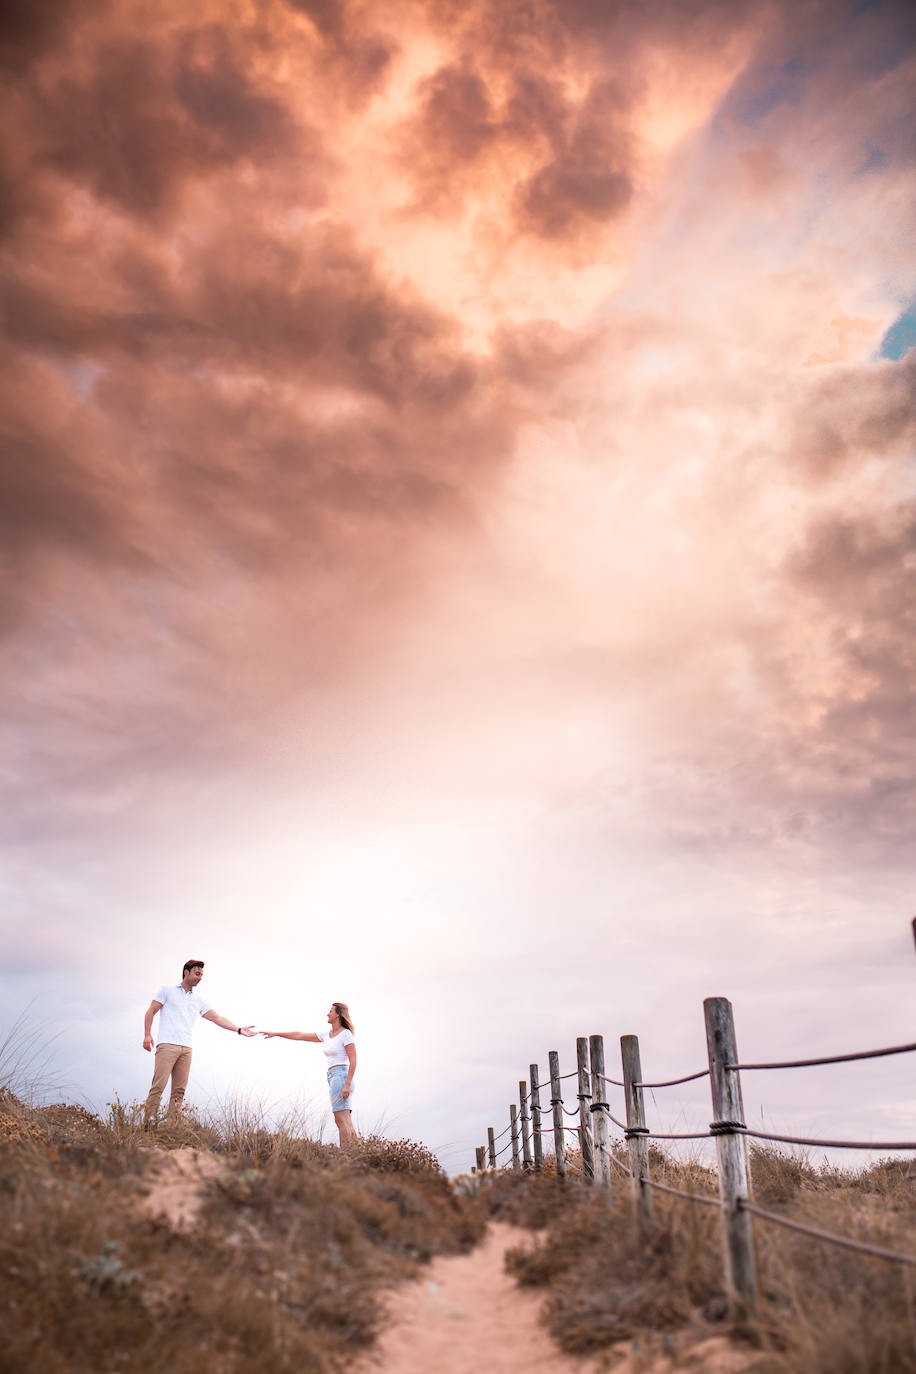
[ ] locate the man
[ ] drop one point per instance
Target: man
(179, 1006)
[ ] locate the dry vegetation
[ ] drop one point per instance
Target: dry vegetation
(826, 1310)
(282, 1271)
(285, 1265)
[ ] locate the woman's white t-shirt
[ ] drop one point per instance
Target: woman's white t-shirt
(335, 1047)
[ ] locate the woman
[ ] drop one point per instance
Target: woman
(340, 1047)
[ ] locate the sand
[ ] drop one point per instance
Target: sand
(466, 1314)
(176, 1194)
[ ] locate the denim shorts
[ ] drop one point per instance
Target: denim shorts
(337, 1077)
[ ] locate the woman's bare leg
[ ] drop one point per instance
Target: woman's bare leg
(345, 1128)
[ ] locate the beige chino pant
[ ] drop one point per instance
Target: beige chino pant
(172, 1061)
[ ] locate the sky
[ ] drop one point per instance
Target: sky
(458, 523)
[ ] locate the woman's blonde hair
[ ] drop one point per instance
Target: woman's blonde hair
(343, 1011)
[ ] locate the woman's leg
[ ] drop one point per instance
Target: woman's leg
(345, 1127)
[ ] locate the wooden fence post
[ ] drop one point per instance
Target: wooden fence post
(585, 1118)
(914, 928)
(556, 1102)
(536, 1118)
(526, 1141)
(637, 1131)
(728, 1113)
(481, 1155)
(491, 1147)
(600, 1131)
(513, 1128)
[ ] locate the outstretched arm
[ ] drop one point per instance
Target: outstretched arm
(351, 1056)
(293, 1035)
(218, 1020)
(151, 1010)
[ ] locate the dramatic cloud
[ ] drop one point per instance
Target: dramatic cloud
(455, 489)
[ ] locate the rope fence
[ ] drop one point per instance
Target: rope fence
(829, 1059)
(673, 1082)
(681, 1192)
(844, 1242)
(833, 1144)
(596, 1157)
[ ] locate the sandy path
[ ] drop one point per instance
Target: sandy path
(466, 1315)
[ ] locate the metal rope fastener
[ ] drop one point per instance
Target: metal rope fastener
(726, 1127)
(632, 1132)
(603, 1106)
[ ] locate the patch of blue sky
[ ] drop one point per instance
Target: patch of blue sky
(874, 159)
(80, 374)
(901, 336)
(879, 36)
(760, 92)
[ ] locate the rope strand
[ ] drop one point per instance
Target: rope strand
(679, 1192)
(834, 1144)
(829, 1059)
(844, 1242)
(672, 1082)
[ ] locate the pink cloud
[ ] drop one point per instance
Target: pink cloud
(413, 446)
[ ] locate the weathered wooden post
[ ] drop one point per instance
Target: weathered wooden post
(536, 1118)
(513, 1128)
(728, 1122)
(491, 1147)
(556, 1102)
(914, 928)
(600, 1132)
(637, 1131)
(526, 1140)
(481, 1156)
(585, 1118)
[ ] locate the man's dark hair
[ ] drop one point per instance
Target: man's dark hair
(192, 963)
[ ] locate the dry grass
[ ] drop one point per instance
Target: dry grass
(295, 1241)
(825, 1310)
(282, 1272)
(832, 1311)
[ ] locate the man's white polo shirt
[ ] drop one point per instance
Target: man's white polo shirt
(179, 1014)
